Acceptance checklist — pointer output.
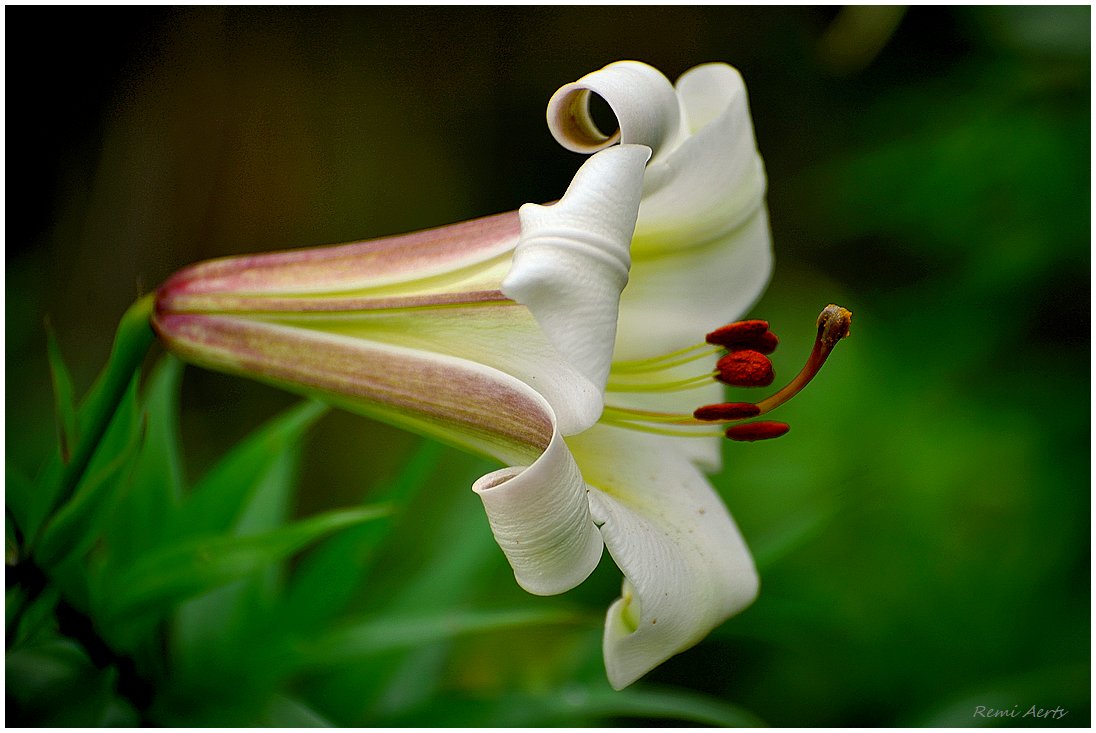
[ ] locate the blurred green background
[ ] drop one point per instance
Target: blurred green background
(923, 533)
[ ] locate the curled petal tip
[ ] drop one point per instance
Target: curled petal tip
(643, 100)
(541, 519)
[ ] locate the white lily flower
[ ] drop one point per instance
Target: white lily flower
(514, 336)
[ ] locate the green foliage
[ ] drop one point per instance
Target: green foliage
(78, 522)
(353, 640)
(157, 581)
(64, 394)
(149, 600)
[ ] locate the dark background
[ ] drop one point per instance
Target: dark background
(923, 532)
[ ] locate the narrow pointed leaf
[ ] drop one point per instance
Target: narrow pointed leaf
(11, 540)
(58, 480)
(77, 523)
(29, 620)
(219, 500)
(329, 576)
(214, 632)
(139, 523)
(193, 566)
(18, 496)
(64, 395)
(405, 631)
(578, 706)
(285, 711)
(648, 702)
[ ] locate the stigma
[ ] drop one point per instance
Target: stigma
(740, 352)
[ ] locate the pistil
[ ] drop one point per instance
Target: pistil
(833, 325)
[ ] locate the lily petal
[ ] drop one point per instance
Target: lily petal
(461, 402)
(456, 258)
(572, 260)
(644, 102)
(702, 251)
(723, 279)
(703, 227)
(436, 290)
(714, 181)
(540, 517)
(500, 334)
(686, 565)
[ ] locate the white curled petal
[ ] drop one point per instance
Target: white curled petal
(672, 301)
(686, 565)
(643, 100)
(714, 181)
(540, 517)
(572, 259)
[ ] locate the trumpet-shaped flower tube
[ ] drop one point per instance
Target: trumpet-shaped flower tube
(556, 340)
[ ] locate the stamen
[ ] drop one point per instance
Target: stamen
(672, 386)
(760, 430)
(742, 367)
(657, 428)
(633, 414)
(742, 335)
(766, 343)
(745, 369)
(664, 361)
(727, 411)
(734, 332)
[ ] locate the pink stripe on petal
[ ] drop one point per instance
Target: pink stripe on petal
(352, 266)
(233, 303)
(483, 408)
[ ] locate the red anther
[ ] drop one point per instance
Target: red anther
(766, 343)
(743, 336)
(745, 369)
(761, 430)
(734, 333)
(727, 411)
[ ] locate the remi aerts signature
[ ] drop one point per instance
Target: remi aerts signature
(981, 711)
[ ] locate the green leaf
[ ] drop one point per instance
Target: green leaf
(290, 712)
(219, 500)
(140, 522)
(582, 706)
(29, 618)
(58, 480)
(32, 512)
(54, 685)
(214, 633)
(64, 395)
(71, 531)
(329, 576)
(456, 559)
(367, 637)
(158, 581)
(653, 702)
(246, 493)
(18, 496)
